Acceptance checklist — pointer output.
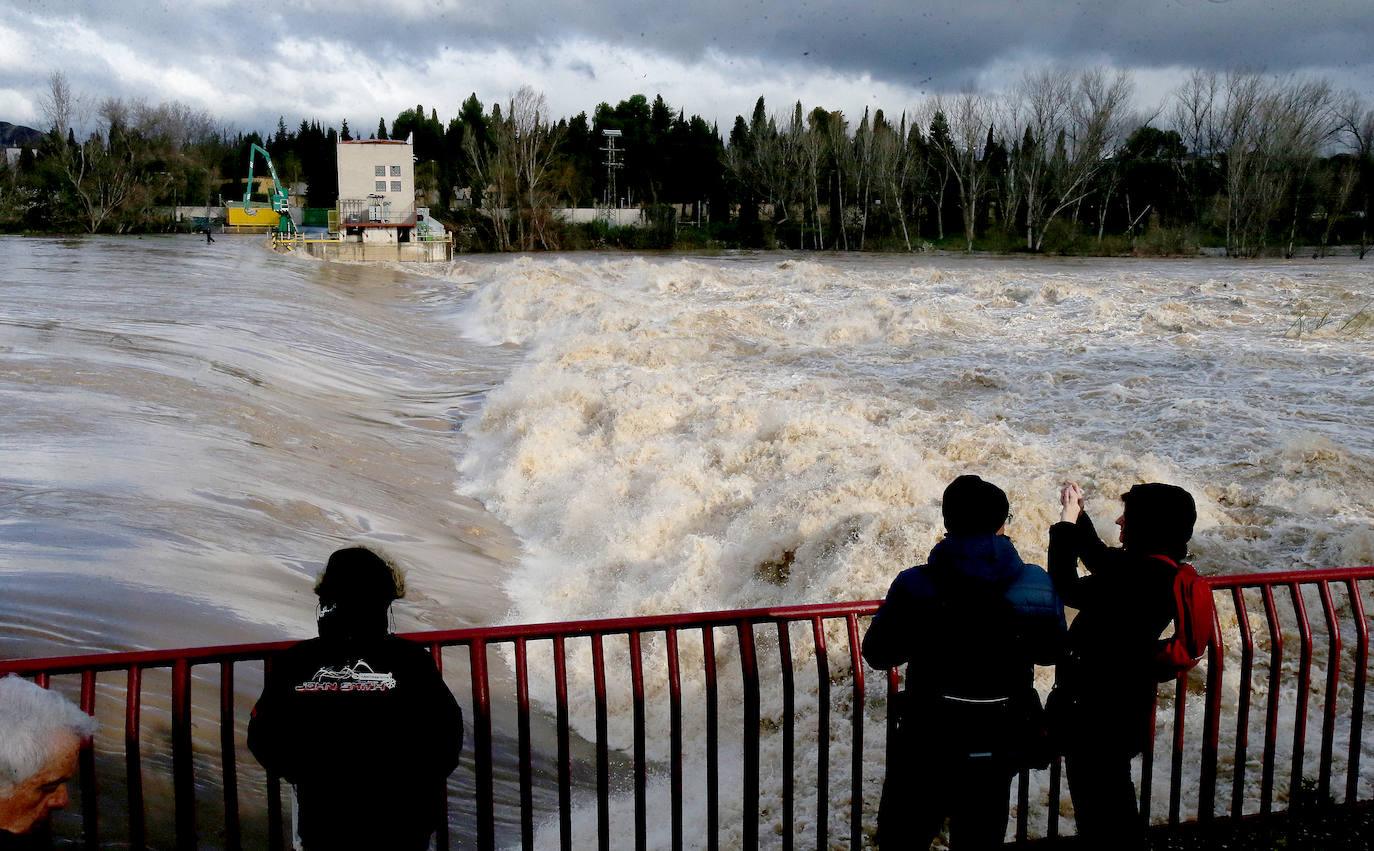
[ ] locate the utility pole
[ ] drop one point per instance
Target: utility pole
(612, 164)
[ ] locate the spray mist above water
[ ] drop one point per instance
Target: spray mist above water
(700, 434)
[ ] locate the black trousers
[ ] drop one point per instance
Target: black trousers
(974, 793)
(1104, 798)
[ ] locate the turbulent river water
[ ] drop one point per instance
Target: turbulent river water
(189, 429)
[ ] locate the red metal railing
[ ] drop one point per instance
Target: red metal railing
(609, 730)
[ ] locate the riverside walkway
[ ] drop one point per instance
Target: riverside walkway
(741, 729)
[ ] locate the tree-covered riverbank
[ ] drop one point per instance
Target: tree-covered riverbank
(1238, 163)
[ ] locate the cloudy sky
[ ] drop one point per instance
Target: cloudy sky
(246, 63)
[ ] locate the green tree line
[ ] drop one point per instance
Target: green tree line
(1060, 162)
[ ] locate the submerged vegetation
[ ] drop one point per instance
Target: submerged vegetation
(1238, 163)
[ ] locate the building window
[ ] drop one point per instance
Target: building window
(395, 171)
(395, 186)
(381, 186)
(380, 171)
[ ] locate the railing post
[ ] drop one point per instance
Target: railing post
(560, 678)
(228, 760)
(1272, 709)
(481, 747)
(1333, 679)
(522, 703)
(1304, 688)
(133, 759)
(1352, 777)
(1210, 726)
(675, 736)
(856, 763)
(90, 812)
(892, 757)
(749, 739)
(789, 724)
(1247, 673)
(183, 766)
(441, 837)
(1022, 807)
(1176, 754)
(1052, 823)
(822, 734)
(274, 804)
(708, 648)
(641, 768)
(1147, 764)
(603, 757)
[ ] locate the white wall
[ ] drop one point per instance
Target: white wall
(358, 164)
(618, 217)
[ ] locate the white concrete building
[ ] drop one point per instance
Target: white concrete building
(376, 190)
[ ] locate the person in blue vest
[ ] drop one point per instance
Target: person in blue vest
(970, 624)
(359, 720)
(1103, 703)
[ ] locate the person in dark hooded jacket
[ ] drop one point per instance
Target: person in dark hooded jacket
(1104, 700)
(359, 720)
(971, 622)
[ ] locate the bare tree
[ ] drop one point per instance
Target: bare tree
(1071, 127)
(514, 166)
(1355, 122)
(1041, 105)
(1197, 114)
(493, 167)
(104, 171)
(536, 140)
(58, 105)
(1272, 132)
(775, 163)
(969, 116)
(892, 170)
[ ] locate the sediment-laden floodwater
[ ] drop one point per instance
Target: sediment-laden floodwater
(189, 429)
(706, 434)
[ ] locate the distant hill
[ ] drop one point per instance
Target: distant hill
(17, 135)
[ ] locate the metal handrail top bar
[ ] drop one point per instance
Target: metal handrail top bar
(228, 652)
(1334, 574)
(541, 631)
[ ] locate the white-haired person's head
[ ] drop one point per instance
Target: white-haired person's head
(40, 734)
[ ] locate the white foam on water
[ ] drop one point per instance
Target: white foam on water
(705, 434)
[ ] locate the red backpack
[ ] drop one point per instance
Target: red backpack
(1193, 616)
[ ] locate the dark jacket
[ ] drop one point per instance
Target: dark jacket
(1123, 605)
(367, 731)
(974, 620)
(40, 840)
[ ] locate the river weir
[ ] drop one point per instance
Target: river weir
(191, 428)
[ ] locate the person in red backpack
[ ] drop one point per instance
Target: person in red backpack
(1103, 703)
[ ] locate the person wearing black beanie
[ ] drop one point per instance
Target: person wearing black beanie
(972, 622)
(359, 720)
(1160, 519)
(971, 506)
(1103, 704)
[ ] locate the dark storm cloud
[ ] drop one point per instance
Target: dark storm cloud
(906, 42)
(327, 60)
(900, 41)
